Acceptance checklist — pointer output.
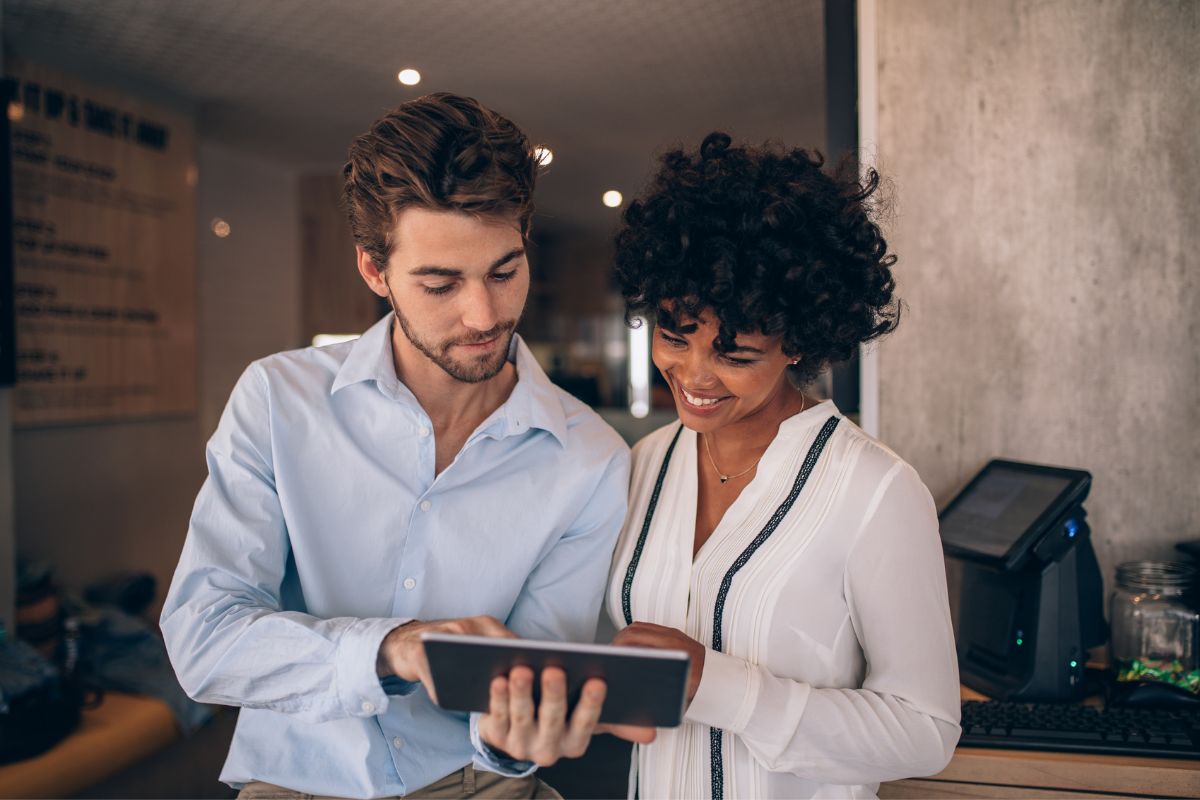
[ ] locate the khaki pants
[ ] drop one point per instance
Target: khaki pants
(466, 783)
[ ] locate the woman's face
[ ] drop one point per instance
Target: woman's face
(714, 389)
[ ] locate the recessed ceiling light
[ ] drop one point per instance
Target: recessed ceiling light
(409, 77)
(220, 227)
(544, 155)
(612, 198)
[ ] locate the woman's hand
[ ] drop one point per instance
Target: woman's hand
(647, 634)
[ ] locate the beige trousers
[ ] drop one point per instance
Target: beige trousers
(465, 783)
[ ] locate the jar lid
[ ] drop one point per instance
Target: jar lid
(1156, 576)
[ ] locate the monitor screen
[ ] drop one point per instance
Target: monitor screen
(992, 514)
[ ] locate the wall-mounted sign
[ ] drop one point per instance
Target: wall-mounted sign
(103, 233)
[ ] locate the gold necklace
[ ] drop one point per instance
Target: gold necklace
(726, 478)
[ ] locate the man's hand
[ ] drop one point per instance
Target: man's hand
(402, 654)
(541, 734)
(647, 634)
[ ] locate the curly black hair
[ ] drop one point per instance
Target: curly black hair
(767, 241)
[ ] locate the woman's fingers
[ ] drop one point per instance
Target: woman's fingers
(630, 733)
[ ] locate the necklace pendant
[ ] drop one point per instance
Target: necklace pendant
(723, 478)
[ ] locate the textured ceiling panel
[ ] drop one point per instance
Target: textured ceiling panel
(606, 84)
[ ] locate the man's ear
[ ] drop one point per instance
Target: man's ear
(371, 273)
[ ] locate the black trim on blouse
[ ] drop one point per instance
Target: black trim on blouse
(814, 453)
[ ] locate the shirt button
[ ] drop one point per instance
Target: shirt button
(409, 583)
(424, 433)
(368, 707)
(397, 743)
(426, 505)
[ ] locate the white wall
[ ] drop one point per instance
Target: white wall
(250, 281)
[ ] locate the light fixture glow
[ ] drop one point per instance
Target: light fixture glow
(639, 367)
(16, 111)
(543, 155)
(220, 227)
(612, 198)
(409, 77)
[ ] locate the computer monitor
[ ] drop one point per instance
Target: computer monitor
(1031, 597)
(1007, 509)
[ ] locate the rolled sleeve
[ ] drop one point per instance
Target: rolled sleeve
(488, 759)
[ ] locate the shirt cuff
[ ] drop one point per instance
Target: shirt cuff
(398, 686)
(489, 760)
(359, 689)
(727, 693)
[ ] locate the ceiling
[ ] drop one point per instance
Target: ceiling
(605, 83)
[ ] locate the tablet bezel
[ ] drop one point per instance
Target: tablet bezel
(655, 696)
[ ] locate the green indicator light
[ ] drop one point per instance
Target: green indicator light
(1020, 642)
(1074, 664)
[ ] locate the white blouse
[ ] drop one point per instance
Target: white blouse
(837, 667)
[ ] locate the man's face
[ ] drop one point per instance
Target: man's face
(458, 284)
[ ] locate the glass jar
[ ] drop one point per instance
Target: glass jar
(1154, 624)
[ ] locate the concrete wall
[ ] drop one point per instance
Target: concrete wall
(1046, 164)
(97, 499)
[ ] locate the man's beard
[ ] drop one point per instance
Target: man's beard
(473, 369)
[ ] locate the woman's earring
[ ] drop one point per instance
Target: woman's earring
(795, 361)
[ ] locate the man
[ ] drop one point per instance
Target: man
(426, 476)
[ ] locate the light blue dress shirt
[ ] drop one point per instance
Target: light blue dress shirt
(322, 526)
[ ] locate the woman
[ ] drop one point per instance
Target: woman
(794, 557)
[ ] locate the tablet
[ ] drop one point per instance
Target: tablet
(645, 686)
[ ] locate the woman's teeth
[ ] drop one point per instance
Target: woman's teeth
(698, 401)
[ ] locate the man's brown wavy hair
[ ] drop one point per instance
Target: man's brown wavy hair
(440, 152)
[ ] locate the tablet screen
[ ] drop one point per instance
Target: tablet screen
(995, 512)
(645, 686)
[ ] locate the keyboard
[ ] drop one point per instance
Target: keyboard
(1072, 728)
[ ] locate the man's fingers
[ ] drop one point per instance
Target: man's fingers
(551, 717)
(424, 674)
(584, 718)
(521, 726)
(496, 719)
(485, 625)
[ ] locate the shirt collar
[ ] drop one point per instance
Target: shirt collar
(533, 403)
(370, 359)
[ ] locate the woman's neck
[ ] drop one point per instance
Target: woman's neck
(749, 437)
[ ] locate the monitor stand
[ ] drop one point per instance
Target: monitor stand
(1023, 634)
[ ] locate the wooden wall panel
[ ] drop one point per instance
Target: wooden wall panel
(105, 252)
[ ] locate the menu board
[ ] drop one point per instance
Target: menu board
(104, 252)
